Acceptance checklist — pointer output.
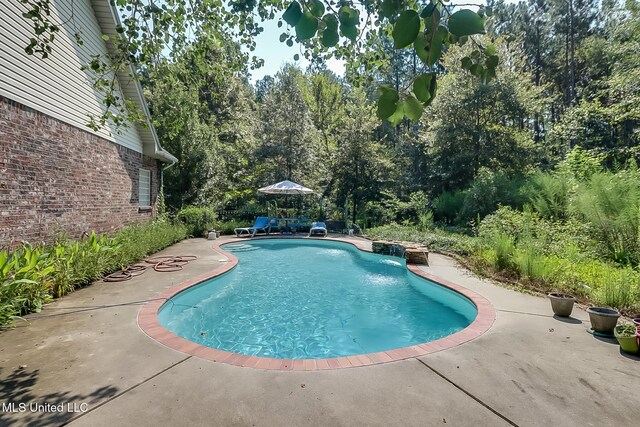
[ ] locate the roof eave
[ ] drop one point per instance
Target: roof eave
(107, 16)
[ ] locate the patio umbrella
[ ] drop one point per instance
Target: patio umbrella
(285, 187)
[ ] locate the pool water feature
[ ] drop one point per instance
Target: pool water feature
(314, 299)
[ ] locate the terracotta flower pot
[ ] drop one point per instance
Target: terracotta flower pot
(603, 319)
(561, 304)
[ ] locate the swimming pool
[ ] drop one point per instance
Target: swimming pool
(314, 299)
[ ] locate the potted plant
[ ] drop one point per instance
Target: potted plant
(561, 304)
(603, 319)
(626, 336)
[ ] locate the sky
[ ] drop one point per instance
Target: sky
(276, 54)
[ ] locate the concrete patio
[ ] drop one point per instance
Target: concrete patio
(529, 369)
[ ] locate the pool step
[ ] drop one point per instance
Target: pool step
(240, 248)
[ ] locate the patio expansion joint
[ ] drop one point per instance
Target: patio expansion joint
(524, 312)
(101, 404)
(477, 399)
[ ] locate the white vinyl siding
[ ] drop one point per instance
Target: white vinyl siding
(144, 188)
(56, 86)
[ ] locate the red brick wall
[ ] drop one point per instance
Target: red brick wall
(56, 177)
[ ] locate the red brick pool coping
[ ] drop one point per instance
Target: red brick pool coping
(148, 322)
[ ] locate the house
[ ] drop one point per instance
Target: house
(57, 174)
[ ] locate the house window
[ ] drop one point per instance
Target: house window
(145, 188)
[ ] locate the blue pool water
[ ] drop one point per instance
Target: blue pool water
(312, 299)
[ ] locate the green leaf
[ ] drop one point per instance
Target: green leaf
(465, 23)
(330, 22)
(29, 15)
(436, 45)
(490, 49)
(348, 16)
(421, 86)
(296, 57)
(350, 32)
(316, 7)
(388, 8)
(24, 281)
(293, 14)
(306, 26)
(466, 63)
(476, 70)
(397, 116)
(431, 23)
(283, 37)
(289, 42)
(412, 108)
(489, 75)
(330, 37)
(105, 37)
(406, 29)
(428, 10)
(421, 46)
(387, 103)
(492, 61)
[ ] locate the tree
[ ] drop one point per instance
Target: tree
(203, 112)
(606, 118)
(325, 97)
(288, 136)
(363, 166)
(482, 125)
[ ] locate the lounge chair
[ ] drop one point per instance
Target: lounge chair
(318, 228)
(261, 224)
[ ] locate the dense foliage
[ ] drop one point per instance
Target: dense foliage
(32, 275)
(151, 29)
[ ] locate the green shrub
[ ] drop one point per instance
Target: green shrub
(425, 221)
(488, 191)
(32, 275)
(435, 239)
(531, 264)
(611, 203)
(550, 237)
(136, 241)
(25, 282)
(619, 289)
(549, 194)
(511, 222)
(580, 164)
(197, 219)
(504, 249)
(79, 263)
(448, 205)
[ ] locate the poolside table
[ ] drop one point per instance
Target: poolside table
(288, 221)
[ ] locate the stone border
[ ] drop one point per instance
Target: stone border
(148, 322)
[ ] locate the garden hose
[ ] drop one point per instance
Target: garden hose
(164, 264)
